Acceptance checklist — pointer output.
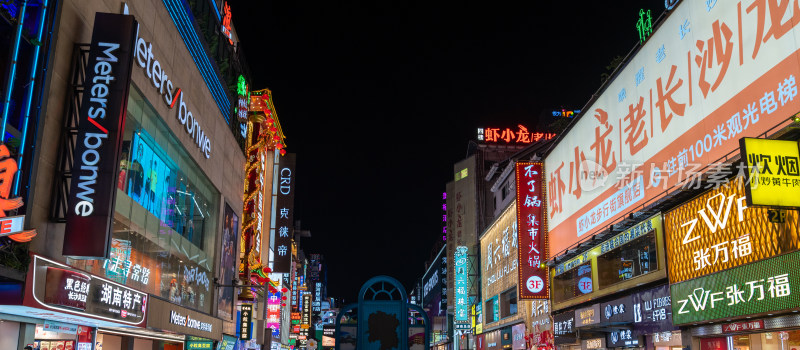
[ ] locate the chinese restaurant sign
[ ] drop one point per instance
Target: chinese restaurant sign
(70, 290)
(564, 328)
(763, 286)
(773, 172)
(726, 71)
(284, 222)
(717, 231)
(461, 261)
(99, 137)
(531, 221)
(520, 135)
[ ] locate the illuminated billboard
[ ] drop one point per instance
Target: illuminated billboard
(773, 172)
(712, 75)
(532, 224)
(717, 231)
(764, 286)
(517, 135)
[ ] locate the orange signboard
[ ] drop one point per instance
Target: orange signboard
(717, 231)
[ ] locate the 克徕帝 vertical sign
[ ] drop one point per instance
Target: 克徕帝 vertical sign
(532, 251)
(97, 146)
(284, 214)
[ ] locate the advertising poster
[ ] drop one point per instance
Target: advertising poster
(120, 251)
(151, 180)
(672, 110)
(227, 265)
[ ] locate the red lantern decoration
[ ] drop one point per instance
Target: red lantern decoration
(279, 145)
(273, 129)
(283, 297)
(283, 152)
(276, 138)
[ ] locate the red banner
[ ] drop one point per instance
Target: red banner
(532, 235)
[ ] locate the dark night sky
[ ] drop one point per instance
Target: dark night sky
(379, 100)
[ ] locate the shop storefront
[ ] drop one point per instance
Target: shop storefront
(628, 319)
(501, 308)
(737, 290)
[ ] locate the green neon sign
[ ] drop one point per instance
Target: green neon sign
(644, 25)
(764, 286)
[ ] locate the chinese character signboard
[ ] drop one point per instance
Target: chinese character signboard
(564, 328)
(519, 135)
(717, 231)
(97, 148)
(764, 286)
(652, 311)
(532, 224)
(499, 255)
(245, 319)
(69, 290)
(773, 172)
(284, 214)
(735, 327)
(618, 310)
(726, 71)
(461, 261)
(587, 316)
(274, 313)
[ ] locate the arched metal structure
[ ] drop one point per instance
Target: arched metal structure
(382, 308)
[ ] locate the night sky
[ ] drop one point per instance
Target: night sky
(379, 100)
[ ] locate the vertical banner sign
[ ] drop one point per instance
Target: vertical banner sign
(245, 333)
(274, 313)
(460, 281)
(284, 222)
(533, 245)
(97, 147)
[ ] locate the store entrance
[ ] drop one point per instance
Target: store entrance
(63, 338)
(777, 340)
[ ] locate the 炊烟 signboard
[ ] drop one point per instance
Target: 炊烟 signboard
(764, 286)
(532, 223)
(90, 203)
(713, 73)
(717, 231)
(773, 172)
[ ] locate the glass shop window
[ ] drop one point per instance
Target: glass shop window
(636, 258)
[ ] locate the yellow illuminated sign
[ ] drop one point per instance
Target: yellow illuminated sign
(718, 230)
(773, 172)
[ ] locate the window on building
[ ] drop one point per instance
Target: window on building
(636, 258)
(489, 306)
(572, 283)
(508, 303)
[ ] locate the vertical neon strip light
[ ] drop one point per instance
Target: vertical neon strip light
(13, 71)
(29, 99)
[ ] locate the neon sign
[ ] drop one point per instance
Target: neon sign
(566, 113)
(644, 25)
(226, 22)
(519, 136)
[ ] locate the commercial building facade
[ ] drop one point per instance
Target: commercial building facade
(138, 135)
